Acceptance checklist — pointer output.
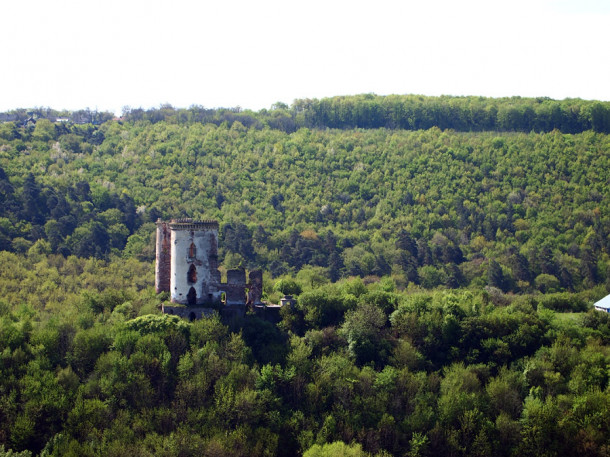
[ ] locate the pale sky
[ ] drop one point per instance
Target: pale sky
(75, 54)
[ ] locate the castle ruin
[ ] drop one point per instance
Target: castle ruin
(187, 268)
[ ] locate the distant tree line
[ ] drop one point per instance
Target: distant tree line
(84, 116)
(409, 112)
(369, 111)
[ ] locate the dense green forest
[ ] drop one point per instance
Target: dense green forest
(445, 252)
(517, 211)
(89, 367)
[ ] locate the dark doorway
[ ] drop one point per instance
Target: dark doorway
(191, 276)
(191, 297)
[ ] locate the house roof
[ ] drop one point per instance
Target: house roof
(603, 303)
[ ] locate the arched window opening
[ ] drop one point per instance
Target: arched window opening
(192, 251)
(191, 276)
(191, 297)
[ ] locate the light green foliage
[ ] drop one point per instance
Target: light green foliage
(44, 130)
(312, 277)
(386, 301)
(10, 453)
(336, 449)
(158, 324)
(287, 286)
(431, 277)
(353, 286)
(540, 428)
(324, 306)
(209, 330)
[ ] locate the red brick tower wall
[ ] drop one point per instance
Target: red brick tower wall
(163, 257)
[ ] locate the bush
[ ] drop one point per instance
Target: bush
(287, 286)
(564, 302)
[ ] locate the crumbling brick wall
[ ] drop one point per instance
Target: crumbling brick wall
(255, 292)
(163, 257)
(235, 288)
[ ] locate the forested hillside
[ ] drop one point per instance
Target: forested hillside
(444, 253)
(518, 211)
(88, 367)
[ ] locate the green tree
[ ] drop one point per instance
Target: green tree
(44, 130)
(287, 286)
(540, 434)
(363, 331)
(495, 276)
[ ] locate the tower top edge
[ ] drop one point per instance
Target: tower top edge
(190, 224)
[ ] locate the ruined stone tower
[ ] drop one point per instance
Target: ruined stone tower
(187, 268)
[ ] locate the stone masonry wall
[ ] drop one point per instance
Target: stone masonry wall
(192, 281)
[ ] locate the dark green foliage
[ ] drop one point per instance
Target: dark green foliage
(238, 239)
(495, 276)
(87, 346)
(564, 302)
(267, 343)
